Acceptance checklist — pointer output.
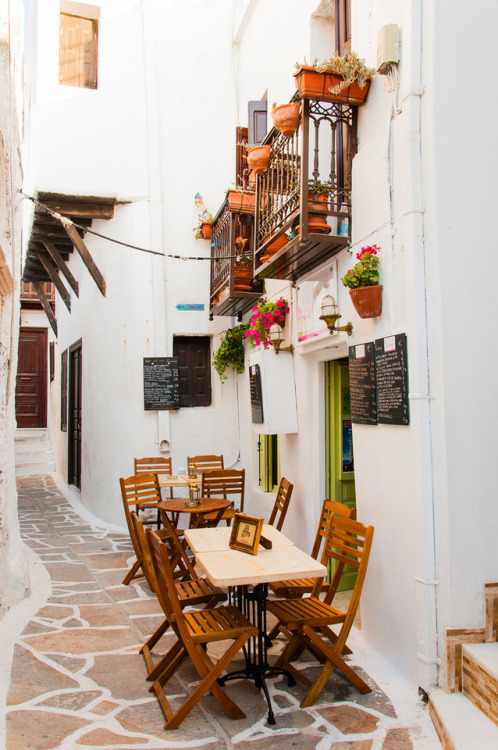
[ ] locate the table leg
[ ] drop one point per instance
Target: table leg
(253, 605)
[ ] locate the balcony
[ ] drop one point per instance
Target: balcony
(234, 219)
(305, 193)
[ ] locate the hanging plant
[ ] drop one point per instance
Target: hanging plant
(230, 352)
(264, 315)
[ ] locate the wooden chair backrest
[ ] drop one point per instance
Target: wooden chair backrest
(224, 483)
(137, 489)
(348, 543)
(281, 503)
(329, 508)
(157, 465)
(167, 593)
(206, 463)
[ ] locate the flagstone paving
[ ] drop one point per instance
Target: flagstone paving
(78, 679)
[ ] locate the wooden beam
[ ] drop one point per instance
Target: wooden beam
(78, 209)
(54, 278)
(46, 305)
(86, 257)
(56, 257)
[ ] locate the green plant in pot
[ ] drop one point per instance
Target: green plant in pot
(363, 283)
(230, 352)
(350, 66)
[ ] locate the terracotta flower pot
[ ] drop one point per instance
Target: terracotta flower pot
(242, 279)
(317, 222)
(367, 300)
(258, 158)
(206, 230)
(286, 117)
(241, 201)
(314, 85)
(275, 246)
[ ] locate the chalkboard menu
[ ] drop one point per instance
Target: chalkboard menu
(256, 394)
(392, 380)
(161, 383)
(362, 384)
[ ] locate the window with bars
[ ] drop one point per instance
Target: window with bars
(78, 44)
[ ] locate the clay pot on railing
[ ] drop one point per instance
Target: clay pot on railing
(258, 158)
(275, 246)
(242, 278)
(317, 222)
(286, 117)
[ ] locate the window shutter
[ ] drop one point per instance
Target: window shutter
(194, 369)
(258, 122)
(343, 25)
(78, 51)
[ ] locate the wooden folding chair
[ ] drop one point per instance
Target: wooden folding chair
(281, 506)
(300, 586)
(138, 491)
(155, 465)
(224, 483)
(307, 621)
(205, 463)
(194, 631)
(191, 592)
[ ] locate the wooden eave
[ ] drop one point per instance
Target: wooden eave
(48, 229)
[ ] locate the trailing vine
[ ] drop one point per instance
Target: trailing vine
(230, 351)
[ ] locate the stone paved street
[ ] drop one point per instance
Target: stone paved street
(78, 680)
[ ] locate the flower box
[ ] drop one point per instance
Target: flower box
(314, 85)
(241, 201)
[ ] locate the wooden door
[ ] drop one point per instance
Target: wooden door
(31, 384)
(340, 485)
(74, 416)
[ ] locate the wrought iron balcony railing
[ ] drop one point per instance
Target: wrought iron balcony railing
(303, 199)
(230, 294)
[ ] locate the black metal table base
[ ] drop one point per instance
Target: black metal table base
(253, 604)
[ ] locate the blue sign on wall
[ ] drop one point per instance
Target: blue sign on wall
(186, 306)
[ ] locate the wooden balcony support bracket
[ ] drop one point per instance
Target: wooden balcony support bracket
(85, 254)
(59, 261)
(54, 278)
(46, 305)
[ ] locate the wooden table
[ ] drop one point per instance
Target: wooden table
(177, 480)
(197, 512)
(248, 576)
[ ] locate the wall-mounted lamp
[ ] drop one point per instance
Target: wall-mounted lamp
(276, 339)
(331, 316)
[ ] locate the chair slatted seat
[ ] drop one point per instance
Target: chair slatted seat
(194, 631)
(307, 622)
(192, 592)
(224, 483)
(282, 500)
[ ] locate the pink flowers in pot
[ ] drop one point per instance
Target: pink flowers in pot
(264, 315)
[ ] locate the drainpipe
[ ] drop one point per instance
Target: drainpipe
(413, 221)
(155, 211)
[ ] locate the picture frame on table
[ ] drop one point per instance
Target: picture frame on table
(246, 533)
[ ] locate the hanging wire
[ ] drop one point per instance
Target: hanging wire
(68, 222)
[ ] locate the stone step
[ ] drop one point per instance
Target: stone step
(33, 446)
(460, 724)
(480, 677)
(25, 433)
(26, 470)
(34, 457)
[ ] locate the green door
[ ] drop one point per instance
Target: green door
(339, 456)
